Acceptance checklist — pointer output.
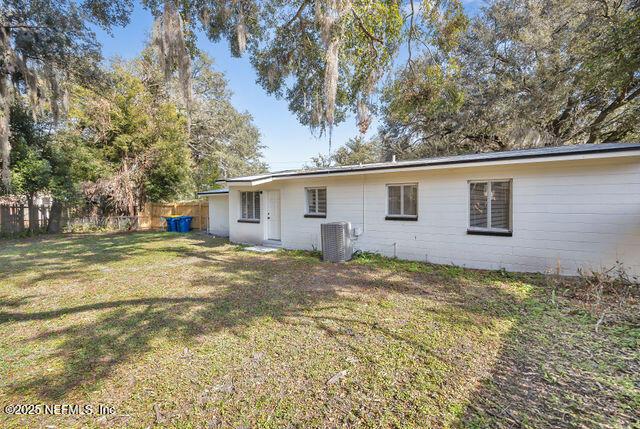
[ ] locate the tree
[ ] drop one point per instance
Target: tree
(525, 74)
(223, 141)
(320, 161)
(32, 172)
(73, 163)
(140, 143)
(358, 151)
(325, 57)
(43, 46)
(45, 164)
(131, 137)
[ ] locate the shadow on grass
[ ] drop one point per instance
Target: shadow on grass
(278, 287)
(555, 371)
(69, 257)
(290, 288)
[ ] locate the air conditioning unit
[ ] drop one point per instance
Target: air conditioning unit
(336, 241)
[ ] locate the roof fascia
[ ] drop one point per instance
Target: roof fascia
(466, 164)
(250, 183)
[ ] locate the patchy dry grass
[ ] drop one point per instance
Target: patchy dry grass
(188, 331)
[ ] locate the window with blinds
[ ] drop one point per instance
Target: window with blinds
(479, 204)
(250, 206)
(316, 201)
(402, 201)
(490, 205)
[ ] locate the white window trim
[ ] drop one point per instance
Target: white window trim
(489, 228)
(306, 200)
(253, 196)
(402, 185)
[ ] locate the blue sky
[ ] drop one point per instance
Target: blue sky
(288, 144)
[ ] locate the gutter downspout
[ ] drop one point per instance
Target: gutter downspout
(364, 179)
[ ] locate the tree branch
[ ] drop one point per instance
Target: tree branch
(410, 60)
(364, 29)
(557, 123)
(484, 137)
(620, 100)
(38, 27)
(298, 13)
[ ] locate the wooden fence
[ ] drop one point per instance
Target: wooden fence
(152, 217)
(14, 218)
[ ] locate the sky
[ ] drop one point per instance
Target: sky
(287, 143)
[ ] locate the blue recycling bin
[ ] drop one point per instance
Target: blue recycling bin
(172, 223)
(184, 223)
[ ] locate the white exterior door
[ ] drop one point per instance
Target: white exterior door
(273, 216)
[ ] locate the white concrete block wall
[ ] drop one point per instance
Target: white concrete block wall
(569, 214)
(219, 215)
(243, 232)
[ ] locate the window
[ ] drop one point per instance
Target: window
(316, 202)
(402, 202)
(249, 207)
(490, 207)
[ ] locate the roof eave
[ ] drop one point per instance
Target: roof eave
(250, 183)
(487, 162)
(212, 193)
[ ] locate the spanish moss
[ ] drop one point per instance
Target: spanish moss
(169, 40)
(241, 31)
(328, 16)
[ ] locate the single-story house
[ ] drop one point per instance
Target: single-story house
(552, 209)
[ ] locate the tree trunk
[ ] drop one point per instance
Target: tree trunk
(556, 126)
(5, 221)
(130, 201)
(34, 223)
(5, 145)
(55, 217)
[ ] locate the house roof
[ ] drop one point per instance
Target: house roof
(213, 192)
(577, 151)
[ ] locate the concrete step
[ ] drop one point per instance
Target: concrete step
(272, 243)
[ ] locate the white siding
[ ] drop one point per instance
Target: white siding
(219, 215)
(566, 214)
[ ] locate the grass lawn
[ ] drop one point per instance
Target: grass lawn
(189, 331)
